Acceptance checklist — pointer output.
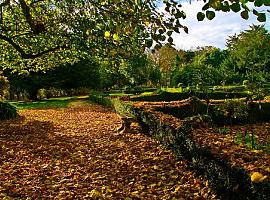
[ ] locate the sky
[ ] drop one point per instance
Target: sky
(214, 32)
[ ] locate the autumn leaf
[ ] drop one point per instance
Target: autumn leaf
(257, 177)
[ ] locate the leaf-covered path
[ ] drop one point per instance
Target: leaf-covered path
(76, 153)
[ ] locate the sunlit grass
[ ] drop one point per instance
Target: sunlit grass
(61, 102)
(173, 90)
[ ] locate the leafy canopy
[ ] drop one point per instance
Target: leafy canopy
(38, 34)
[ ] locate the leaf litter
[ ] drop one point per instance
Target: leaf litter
(77, 153)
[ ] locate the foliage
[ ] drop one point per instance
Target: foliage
(161, 95)
(40, 34)
(68, 158)
(123, 108)
(203, 69)
(100, 98)
(249, 140)
(244, 7)
(251, 52)
(84, 73)
(7, 111)
(233, 109)
(139, 70)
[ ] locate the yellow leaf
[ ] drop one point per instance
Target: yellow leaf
(107, 34)
(147, 23)
(116, 37)
(95, 194)
(257, 177)
(257, 151)
(155, 167)
(177, 188)
(267, 169)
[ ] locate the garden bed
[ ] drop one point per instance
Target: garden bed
(228, 166)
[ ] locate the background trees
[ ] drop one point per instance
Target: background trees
(250, 51)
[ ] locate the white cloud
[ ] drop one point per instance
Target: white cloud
(210, 33)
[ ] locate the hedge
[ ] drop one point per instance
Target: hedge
(222, 112)
(7, 111)
(227, 181)
(167, 96)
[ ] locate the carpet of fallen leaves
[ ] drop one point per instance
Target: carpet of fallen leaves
(76, 153)
(239, 155)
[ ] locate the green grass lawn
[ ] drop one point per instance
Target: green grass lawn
(61, 102)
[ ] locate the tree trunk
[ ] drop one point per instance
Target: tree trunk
(33, 94)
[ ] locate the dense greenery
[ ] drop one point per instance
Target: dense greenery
(41, 34)
(246, 58)
(7, 111)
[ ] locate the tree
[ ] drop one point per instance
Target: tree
(203, 69)
(38, 34)
(140, 70)
(250, 51)
(84, 73)
(165, 59)
(210, 56)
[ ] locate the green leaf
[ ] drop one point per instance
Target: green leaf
(261, 17)
(157, 46)
(186, 29)
(200, 16)
(169, 33)
(255, 12)
(266, 3)
(210, 14)
(206, 6)
(149, 43)
(235, 7)
(225, 7)
(170, 40)
(258, 3)
(244, 14)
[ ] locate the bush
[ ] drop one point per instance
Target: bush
(100, 98)
(78, 91)
(7, 111)
(168, 96)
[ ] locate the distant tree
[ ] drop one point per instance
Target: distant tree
(210, 56)
(203, 68)
(165, 59)
(250, 51)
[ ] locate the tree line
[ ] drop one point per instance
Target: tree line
(247, 57)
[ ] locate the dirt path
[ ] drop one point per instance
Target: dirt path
(76, 153)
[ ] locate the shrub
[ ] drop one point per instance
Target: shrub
(160, 95)
(7, 111)
(100, 98)
(122, 108)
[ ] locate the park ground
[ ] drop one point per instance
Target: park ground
(76, 153)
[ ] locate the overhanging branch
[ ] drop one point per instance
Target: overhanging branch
(29, 55)
(36, 27)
